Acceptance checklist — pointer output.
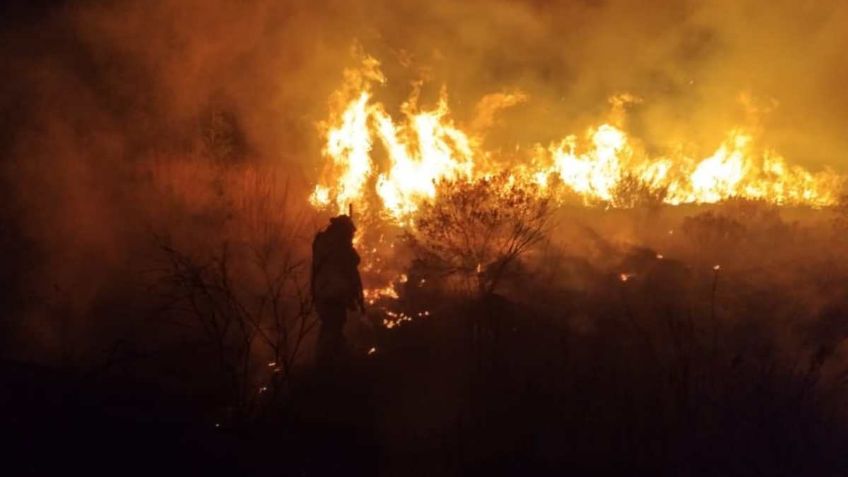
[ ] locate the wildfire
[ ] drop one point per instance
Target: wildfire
(425, 146)
(388, 165)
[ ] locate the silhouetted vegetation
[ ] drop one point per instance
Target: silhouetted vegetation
(716, 350)
(476, 230)
(631, 192)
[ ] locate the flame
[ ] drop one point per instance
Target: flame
(349, 146)
(389, 165)
(596, 172)
(426, 146)
(442, 152)
(372, 295)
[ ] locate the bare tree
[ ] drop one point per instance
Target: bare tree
(249, 299)
(478, 229)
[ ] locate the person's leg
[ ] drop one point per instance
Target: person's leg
(337, 344)
(331, 342)
(339, 341)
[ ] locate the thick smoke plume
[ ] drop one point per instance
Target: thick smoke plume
(127, 120)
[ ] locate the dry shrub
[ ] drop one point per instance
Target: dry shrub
(476, 230)
(630, 192)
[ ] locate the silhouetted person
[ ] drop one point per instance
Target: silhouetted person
(335, 286)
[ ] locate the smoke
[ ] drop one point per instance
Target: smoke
(102, 101)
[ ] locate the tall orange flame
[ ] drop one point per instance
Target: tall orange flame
(426, 146)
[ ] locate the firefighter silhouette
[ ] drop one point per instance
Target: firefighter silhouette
(336, 286)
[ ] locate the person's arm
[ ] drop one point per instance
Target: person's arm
(360, 293)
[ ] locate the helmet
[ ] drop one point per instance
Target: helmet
(342, 223)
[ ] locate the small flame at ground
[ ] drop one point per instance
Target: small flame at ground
(373, 295)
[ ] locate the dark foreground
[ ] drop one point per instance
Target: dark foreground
(514, 394)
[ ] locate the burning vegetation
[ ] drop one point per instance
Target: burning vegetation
(428, 181)
(594, 237)
(427, 147)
